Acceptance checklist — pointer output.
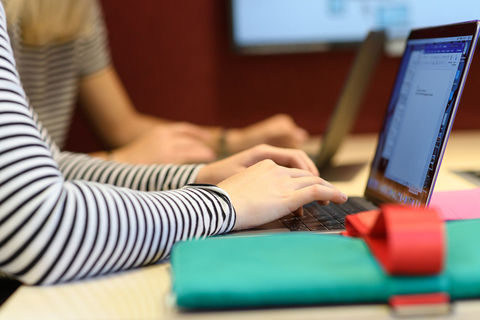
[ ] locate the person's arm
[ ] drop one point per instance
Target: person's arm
(110, 110)
(136, 137)
(55, 228)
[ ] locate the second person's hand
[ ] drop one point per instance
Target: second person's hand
(168, 143)
(279, 130)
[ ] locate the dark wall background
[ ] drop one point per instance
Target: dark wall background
(176, 61)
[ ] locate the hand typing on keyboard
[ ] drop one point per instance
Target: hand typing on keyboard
(266, 191)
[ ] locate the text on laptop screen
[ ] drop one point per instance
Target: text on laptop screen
(418, 115)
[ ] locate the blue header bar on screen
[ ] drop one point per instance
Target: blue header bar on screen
(437, 40)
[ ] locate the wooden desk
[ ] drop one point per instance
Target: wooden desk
(144, 293)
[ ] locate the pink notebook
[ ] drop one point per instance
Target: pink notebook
(458, 204)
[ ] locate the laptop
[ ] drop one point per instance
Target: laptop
(348, 104)
(415, 129)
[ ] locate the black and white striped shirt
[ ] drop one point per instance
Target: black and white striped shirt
(50, 73)
(65, 216)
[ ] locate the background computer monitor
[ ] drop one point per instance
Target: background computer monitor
(274, 26)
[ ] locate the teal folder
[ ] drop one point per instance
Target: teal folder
(308, 269)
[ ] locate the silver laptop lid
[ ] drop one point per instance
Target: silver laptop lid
(420, 114)
(346, 110)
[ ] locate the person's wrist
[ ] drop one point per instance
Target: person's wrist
(221, 145)
(234, 140)
(203, 175)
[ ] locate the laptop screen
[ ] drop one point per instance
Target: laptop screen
(418, 119)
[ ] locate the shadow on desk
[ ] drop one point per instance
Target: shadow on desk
(342, 173)
(7, 287)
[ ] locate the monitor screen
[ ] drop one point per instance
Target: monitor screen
(418, 117)
(284, 25)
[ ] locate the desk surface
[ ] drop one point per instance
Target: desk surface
(144, 293)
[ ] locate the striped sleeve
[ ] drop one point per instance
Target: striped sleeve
(137, 177)
(57, 226)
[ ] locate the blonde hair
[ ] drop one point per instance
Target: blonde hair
(50, 21)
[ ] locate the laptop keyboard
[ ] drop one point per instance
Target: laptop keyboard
(326, 218)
